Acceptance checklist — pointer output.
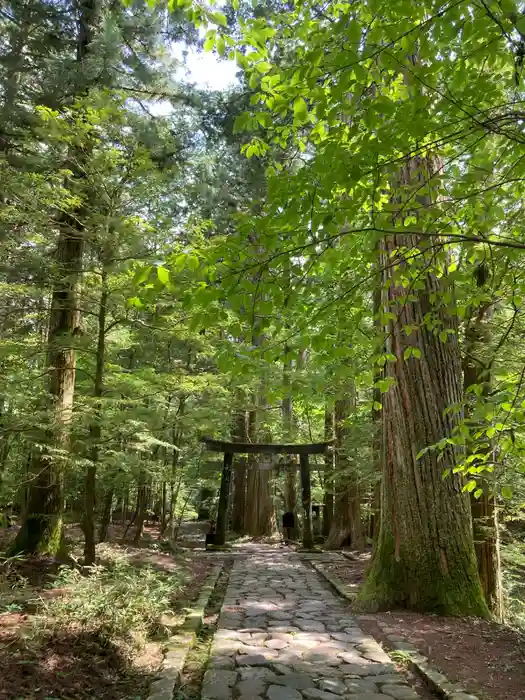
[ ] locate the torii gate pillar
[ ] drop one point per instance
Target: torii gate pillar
(231, 448)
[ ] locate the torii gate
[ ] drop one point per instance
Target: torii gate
(231, 448)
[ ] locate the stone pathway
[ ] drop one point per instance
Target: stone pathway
(283, 635)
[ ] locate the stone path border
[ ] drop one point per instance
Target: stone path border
(180, 643)
(436, 681)
(343, 590)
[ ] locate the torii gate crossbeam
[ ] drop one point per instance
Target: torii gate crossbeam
(231, 448)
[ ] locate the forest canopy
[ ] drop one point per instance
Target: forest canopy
(330, 250)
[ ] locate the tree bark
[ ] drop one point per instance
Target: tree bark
(477, 370)
(308, 536)
(425, 557)
(328, 495)
(222, 510)
(95, 429)
(142, 505)
(42, 528)
(290, 484)
(240, 434)
(105, 518)
(346, 527)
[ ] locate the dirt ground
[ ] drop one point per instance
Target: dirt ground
(488, 659)
(70, 666)
(76, 664)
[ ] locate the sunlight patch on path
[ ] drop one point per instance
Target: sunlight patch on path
(283, 635)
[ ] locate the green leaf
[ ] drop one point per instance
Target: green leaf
(478, 493)
(220, 45)
(490, 432)
(470, 485)
(300, 110)
(164, 275)
(142, 275)
(135, 302)
(422, 452)
(263, 66)
(506, 492)
(209, 42)
(218, 18)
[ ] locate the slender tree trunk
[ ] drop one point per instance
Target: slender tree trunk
(424, 559)
(133, 517)
(42, 529)
(267, 521)
(346, 527)
(377, 439)
(290, 484)
(106, 515)
(95, 429)
(125, 505)
(240, 434)
(477, 370)
(222, 510)
(252, 500)
(142, 505)
(163, 510)
(328, 495)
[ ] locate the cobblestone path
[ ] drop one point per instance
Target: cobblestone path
(283, 635)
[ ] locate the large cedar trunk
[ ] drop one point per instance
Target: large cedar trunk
(239, 496)
(260, 507)
(42, 529)
(267, 522)
(252, 503)
(477, 369)
(424, 559)
(346, 527)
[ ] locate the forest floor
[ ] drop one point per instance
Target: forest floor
(64, 636)
(487, 658)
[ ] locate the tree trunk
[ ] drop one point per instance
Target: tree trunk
(222, 510)
(252, 503)
(142, 505)
(290, 484)
(266, 520)
(240, 434)
(346, 528)
(163, 512)
(377, 439)
(95, 429)
(106, 515)
(425, 557)
(477, 369)
(133, 517)
(328, 495)
(42, 529)
(251, 520)
(308, 536)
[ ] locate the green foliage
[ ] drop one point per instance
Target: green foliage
(118, 600)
